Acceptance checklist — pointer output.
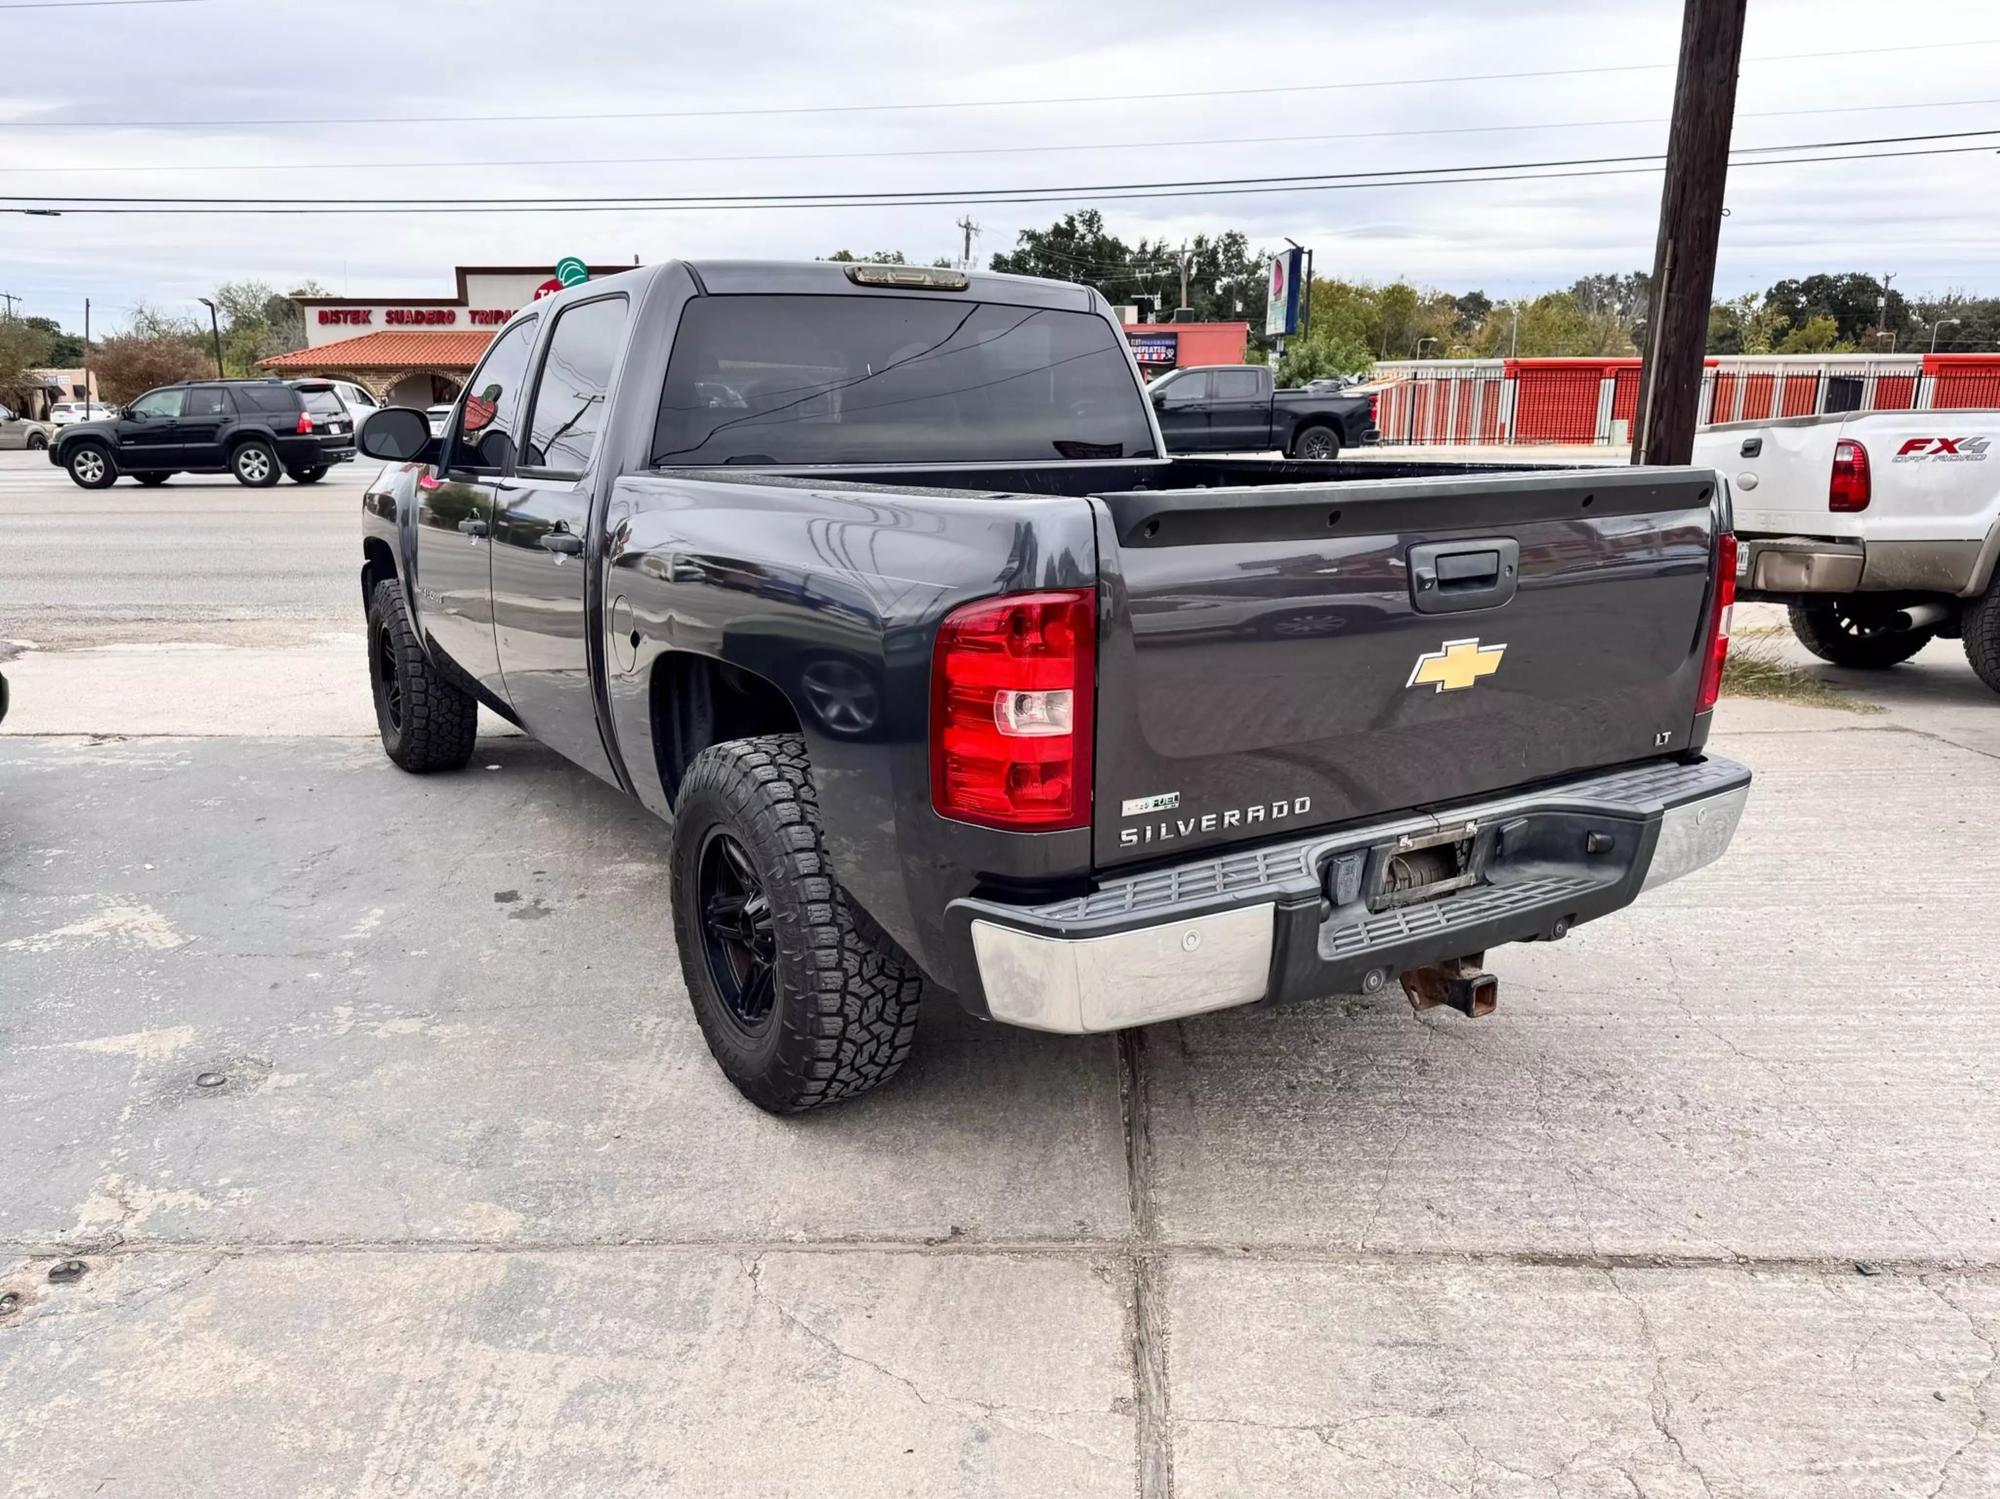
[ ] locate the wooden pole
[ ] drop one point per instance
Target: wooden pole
(1690, 226)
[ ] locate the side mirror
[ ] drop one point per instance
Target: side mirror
(398, 434)
(136, 415)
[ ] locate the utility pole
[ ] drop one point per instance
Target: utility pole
(1882, 325)
(1690, 227)
(10, 299)
(86, 358)
(970, 228)
(1181, 305)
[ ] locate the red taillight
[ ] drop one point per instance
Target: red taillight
(1012, 711)
(305, 422)
(1849, 488)
(1716, 647)
(1372, 400)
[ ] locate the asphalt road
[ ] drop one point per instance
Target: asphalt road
(374, 1111)
(198, 558)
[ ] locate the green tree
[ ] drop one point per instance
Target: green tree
(1853, 300)
(880, 257)
(65, 350)
(23, 346)
(1553, 325)
(1820, 334)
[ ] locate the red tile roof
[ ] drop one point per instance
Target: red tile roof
(387, 351)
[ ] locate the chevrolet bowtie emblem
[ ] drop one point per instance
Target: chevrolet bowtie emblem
(1458, 664)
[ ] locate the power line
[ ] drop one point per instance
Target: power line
(958, 104)
(1062, 148)
(915, 195)
(216, 208)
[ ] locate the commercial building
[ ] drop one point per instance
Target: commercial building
(1160, 347)
(415, 351)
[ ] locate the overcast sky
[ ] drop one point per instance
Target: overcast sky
(1935, 221)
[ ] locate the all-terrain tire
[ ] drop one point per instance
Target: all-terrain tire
(1979, 627)
(843, 1010)
(1835, 632)
(427, 723)
(1317, 441)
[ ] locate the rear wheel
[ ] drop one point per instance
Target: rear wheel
(1848, 632)
(1317, 441)
(152, 480)
(90, 465)
(427, 723)
(308, 475)
(802, 999)
(255, 464)
(36, 442)
(1980, 629)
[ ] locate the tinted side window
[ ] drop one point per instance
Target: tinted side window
(207, 400)
(484, 441)
(1236, 385)
(271, 398)
(1186, 390)
(569, 397)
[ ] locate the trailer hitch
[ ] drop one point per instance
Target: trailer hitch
(1459, 982)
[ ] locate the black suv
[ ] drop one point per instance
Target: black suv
(254, 429)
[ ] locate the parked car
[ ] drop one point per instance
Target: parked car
(21, 432)
(1234, 408)
(69, 413)
(254, 429)
(357, 403)
(437, 416)
(1880, 529)
(888, 627)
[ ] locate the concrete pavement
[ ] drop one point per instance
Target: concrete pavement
(374, 1110)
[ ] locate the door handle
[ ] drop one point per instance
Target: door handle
(1752, 446)
(1449, 576)
(562, 543)
(473, 528)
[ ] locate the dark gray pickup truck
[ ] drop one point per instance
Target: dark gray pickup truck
(1237, 408)
(872, 583)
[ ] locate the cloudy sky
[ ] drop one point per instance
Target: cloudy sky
(403, 83)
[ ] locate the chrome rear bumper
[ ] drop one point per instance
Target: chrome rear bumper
(1271, 923)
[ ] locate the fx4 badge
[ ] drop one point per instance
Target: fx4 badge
(1456, 665)
(1958, 449)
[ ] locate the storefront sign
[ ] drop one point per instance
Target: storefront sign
(420, 317)
(1281, 313)
(1155, 348)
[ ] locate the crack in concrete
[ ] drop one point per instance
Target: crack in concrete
(1979, 1414)
(1153, 1476)
(1659, 1397)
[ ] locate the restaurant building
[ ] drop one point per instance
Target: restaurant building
(416, 351)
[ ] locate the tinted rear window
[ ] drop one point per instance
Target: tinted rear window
(866, 379)
(323, 403)
(267, 398)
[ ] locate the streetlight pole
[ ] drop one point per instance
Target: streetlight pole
(214, 327)
(1943, 322)
(1514, 346)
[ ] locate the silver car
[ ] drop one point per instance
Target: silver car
(20, 432)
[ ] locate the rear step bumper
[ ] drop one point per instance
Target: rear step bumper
(1295, 920)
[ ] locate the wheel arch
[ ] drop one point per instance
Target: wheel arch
(378, 565)
(694, 701)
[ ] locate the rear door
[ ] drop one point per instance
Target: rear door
(454, 574)
(1239, 411)
(1279, 659)
(1181, 402)
(198, 429)
(543, 550)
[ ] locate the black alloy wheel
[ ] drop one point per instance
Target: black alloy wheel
(389, 677)
(739, 940)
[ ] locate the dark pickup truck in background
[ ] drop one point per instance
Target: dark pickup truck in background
(1236, 408)
(874, 583)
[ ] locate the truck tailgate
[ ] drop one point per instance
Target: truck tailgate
(1276, 659)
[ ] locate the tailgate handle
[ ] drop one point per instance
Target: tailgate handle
(1446, 576)
(1752, 446)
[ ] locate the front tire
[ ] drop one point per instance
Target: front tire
(427, 723)
(36, 442)
(308, 475)
(1318, 441)
(802, 999)
(255, 464)
(1838, 631)
(90, 465)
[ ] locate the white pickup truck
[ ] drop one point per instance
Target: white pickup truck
(1880, 529)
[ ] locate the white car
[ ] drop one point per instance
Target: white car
(69, 413)
(1880, 529)
(437, 416)
(356, 402)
